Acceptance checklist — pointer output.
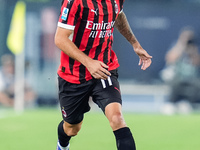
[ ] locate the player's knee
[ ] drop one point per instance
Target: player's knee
(117, 121)
(72, 130)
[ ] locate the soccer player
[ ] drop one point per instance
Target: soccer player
(89, 66)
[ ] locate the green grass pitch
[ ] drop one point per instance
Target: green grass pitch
(37, 130)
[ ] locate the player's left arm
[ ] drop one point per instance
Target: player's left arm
(123, 27)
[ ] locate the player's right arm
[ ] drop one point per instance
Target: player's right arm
(96, 68)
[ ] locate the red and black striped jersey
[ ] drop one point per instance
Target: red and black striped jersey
(92, 22)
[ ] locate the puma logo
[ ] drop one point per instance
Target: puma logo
(95, 11)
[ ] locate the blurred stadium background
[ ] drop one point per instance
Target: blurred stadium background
(156, 24)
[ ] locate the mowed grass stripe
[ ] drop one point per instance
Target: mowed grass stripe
(37, 129)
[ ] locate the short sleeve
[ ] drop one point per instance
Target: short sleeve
(69, 14)
(121, 5)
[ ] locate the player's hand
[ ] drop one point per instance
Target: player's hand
(145, 58)
(98, 69)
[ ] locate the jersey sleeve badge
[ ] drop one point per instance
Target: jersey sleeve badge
(65, 13)
(116, 8)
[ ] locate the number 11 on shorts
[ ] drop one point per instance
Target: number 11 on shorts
(104, 82)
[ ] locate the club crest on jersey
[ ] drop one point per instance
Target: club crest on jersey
(65, 13)
(116, 8)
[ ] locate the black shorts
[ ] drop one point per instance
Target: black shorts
(74, 98)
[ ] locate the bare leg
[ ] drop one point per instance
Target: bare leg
(123, 135)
